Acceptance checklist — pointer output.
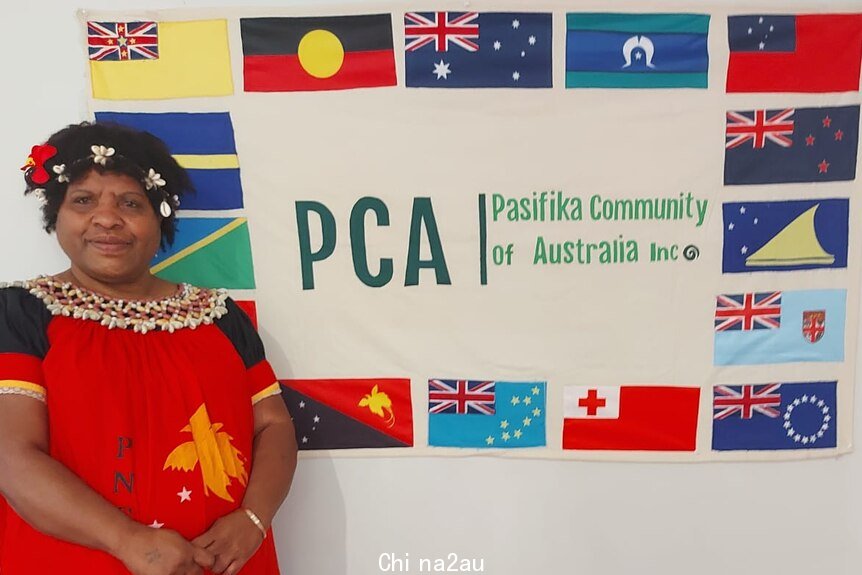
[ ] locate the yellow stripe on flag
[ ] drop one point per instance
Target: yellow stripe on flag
(207, 161)
(202, 243)
(194, 61)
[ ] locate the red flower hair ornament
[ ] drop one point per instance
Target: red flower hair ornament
(35, 165)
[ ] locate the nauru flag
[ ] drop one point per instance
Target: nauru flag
(317, 53)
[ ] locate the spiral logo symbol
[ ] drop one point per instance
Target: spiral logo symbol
(691, 252)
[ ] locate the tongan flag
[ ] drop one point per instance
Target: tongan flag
(209, 252)
(803, 325)
(636, 50)
(486, 414)
(317, 53)
(774, 416)
(350, 413)
(478, 49)
(203, 143)
(806, 53)
(785, 236)
(791, 145)
(630, 417)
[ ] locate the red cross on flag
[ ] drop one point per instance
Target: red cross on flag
(630, 417)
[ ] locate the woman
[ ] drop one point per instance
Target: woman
(141, 428)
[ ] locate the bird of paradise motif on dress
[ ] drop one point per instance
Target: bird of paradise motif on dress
(219, 460)
(379, 403)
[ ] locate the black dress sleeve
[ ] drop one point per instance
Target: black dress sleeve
(23, 343)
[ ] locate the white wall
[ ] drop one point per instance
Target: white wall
(518, 515)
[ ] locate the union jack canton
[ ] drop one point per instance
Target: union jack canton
(748, 311)
(461, 396)
(746, 400)
(123, 40)
(460, 28)
(759, 127)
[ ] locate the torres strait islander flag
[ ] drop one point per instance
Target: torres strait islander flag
(630, 417)
(317, 53)
(350, 413)
(805, 53)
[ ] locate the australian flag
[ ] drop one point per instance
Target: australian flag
(478, 50)
(791, 145)
(774, 416)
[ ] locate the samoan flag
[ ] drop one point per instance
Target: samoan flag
(486, 414)
(784, 236)
(791, 145)
(203, 143)
(478, 49)
(780, 327)
(636, 50)
(774, 416)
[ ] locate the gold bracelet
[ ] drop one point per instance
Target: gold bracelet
(256, 520)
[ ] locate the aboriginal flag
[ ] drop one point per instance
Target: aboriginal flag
(317, 53)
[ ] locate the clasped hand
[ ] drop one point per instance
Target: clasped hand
(225, 547)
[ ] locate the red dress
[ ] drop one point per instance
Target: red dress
(155, 414)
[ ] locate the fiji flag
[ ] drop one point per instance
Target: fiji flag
(636, 50)
(203, 143)
(791, 145)
(774, 416)
(486, 414)
(477, 50)
(782, 236)
(780, 327)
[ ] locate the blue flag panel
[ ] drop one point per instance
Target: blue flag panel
(774, 416)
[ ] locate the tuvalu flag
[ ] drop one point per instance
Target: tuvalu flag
(486, 414)
(791, 145)
(350, 413)
(785, 236)
(317, 53)
(630, 417)
(780, 327)
(636, 50)
(208, 252)
(787, 53)
(203, 143)
(179, 60)
(774, 416)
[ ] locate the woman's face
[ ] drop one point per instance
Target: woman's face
(108, 228)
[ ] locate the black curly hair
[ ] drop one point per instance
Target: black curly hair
(135, 153)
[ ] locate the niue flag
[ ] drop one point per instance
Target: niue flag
(317, 53)
(350, 413)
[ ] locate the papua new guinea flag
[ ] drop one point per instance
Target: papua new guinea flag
(775, 416)
(794, 53)
(317, 53)
(203, 143)
(208, 252)
(350, 413)
(791, 145)
(780, 327)
(478, 49)
(636, 50)
(786, 235)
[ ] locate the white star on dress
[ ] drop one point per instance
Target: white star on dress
(762, 45)
(744, 250)
(156, 525)
(185, 495)
(304, 439)
(301, 405)
(516, 24)
(742, 210)
(316, 419)
(516, 75)
(532, 40)
(497, 45)
(442, 70)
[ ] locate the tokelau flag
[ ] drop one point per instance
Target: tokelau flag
(317, 53)
(636, 50)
